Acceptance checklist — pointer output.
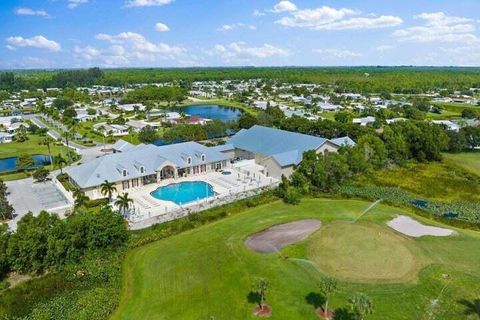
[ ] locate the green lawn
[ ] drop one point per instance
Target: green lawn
(207, 273)
(468, 160)
(31, 146)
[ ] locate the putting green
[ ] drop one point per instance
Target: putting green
(363, 252)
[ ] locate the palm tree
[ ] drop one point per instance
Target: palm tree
(46, 142)
(123, 202)
(328, 286)
(60, 162)
(261, 287)
(80, 198)
(361, 305)
(67, 136)
(108, 188)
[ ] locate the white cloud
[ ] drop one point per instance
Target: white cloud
(239, 52)
(384, 47)
(36, 42)
(31, 12)
(230, 27)
(147, 3)
(468, 55)
(130, 48)
(284, 6)
(161, 27)
(328, 18)
(337, 53)
(258, 13)
(439, 27)
(72, 4)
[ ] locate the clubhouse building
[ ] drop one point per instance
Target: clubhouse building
(132, 167)
(279, 151)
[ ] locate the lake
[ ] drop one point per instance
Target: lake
(10, 164)
(213, 112)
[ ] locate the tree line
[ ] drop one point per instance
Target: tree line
(46, 242)
(407, 80)
(396, 145)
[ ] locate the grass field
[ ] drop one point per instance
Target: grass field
(31, 146)
(207, 273)
(468, 160)
(442, 181)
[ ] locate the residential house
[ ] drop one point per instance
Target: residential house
(364, 121)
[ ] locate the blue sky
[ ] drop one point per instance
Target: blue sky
(180, 33)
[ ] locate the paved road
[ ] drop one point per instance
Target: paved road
(54, 134)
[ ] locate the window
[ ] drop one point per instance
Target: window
(203, 158)
(142, 169)
(124, 172)
(189, 160)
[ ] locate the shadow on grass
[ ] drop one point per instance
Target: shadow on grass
(344, 314)
(254, 297)
(471, 307)
(315, 299)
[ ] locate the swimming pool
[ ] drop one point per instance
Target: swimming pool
(184, 192)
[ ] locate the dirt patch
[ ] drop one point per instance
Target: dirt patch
(264, 311)
(412, 228)
(14, 279)
(279, 236)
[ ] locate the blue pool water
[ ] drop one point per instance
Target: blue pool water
(213, 112)
(10, 164)
(184, 192)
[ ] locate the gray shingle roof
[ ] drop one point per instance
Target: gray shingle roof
(151, 157)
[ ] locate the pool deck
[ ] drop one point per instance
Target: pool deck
(245, 181)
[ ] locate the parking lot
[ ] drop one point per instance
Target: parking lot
(27, 196)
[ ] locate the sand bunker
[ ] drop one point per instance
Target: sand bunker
(412, 228)
(279, 236)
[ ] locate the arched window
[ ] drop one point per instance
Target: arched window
(203, 158)
(189, 160)
(124, 172)
(142, 169)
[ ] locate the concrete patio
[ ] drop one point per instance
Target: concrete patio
(245, 180)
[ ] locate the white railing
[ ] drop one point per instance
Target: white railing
(140, 219)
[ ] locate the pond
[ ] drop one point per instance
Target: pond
(214, 112)
(10, 164)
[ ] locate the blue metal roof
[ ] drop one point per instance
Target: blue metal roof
(268, 141)
(285, 147)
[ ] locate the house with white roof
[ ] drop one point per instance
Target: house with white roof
(131, 107)
(448, 124)
(364, 121)
(6, 137)
(116, 130)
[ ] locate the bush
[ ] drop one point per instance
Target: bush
(40, 174)
(292, 196)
